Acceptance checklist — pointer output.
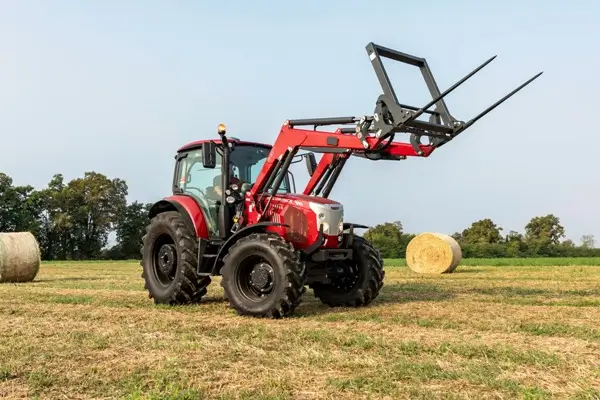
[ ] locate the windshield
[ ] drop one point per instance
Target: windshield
(204, 184)
(245, 164)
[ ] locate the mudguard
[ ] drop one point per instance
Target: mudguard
(188, 208)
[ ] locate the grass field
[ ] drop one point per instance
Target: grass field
(88, 330)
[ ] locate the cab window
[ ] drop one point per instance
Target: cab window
(247, 161)
(193, 177)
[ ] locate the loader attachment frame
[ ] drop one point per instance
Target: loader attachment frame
(390, 116)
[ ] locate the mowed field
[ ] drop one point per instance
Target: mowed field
(88, 330)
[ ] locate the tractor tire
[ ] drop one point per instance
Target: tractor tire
(361, 281)
(169, 261)
(262, 276)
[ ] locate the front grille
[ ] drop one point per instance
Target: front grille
(330, 215)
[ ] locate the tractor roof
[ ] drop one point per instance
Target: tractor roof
(198, 143)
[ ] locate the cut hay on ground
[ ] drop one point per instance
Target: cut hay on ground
(433, 253)
(19, 257)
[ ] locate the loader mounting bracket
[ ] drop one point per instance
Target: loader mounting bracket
(391, 116)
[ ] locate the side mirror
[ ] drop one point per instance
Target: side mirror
(311, 163)
(209, 155)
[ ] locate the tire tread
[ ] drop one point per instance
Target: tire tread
(291, 298)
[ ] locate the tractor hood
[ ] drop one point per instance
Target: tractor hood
(305, 214)
(305, 200)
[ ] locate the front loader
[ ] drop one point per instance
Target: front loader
(234, 212)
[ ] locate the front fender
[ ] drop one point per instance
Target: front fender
(191, 212)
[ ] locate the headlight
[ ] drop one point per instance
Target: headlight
(325, 226)
(341, 226)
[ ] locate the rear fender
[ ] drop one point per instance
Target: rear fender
(254, 228)
(191, 212)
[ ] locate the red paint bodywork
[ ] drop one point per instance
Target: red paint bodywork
(292, 210)
(194, 211)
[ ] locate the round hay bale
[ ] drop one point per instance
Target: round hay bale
(20, 257)
(433, 253)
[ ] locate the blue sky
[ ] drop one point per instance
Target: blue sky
(118, 86)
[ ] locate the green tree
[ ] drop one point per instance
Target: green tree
(515, 245)
(514, 236)
(484, 231)
(130, 229)
(546, 228)
(588, 242)
(18, 209)
(543, 234)
(55, 220)
(388, 239)
(94, 205)
(76, 218)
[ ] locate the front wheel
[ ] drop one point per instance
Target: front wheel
(262, 276)
(355, 282)
(169, 261)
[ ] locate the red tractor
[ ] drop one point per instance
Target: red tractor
(234, 213)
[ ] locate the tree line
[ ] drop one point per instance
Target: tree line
(73, 221)
(543, 236)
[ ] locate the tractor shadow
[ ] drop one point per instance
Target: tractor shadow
(214, 299)
(391, 293)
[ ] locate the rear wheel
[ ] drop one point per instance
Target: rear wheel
(262, 276)
(355, 282)
(169, 261)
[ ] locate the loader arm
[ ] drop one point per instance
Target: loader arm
(337, 146)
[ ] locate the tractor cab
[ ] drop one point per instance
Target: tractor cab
(199, 169)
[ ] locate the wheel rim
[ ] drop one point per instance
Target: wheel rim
(345, 276)
(256, 278)
(164, 260)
